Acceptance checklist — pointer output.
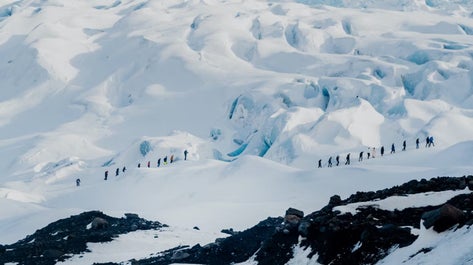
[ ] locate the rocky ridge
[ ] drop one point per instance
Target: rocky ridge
(66, 237)
(335, 237)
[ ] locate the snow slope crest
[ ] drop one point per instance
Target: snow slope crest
(404, 5)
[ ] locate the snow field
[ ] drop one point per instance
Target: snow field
(84, 84)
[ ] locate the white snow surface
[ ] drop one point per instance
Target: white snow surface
(256, 91)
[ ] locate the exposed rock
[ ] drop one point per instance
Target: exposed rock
(61, 239)
(412, 187)
(292, 219)
(442, 218)
(229, 231)
(303, 228)
(52, 254)
(132, 216)
(422, 251)
(99, 223)
(335, 200)
(278, 249)
(333, 235)
(295, 212)
(293, 216)
(470, 184)
(179, 255)
(234, 249)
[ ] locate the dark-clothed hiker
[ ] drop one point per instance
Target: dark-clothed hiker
(360, 157)
(427, 141)
(330, 162)
(185, 154)
(431, 141)
(106, 175)
(117, 172)
(393, 149)
(347, 162)
(171, 159)
(159, 162)
(320, 163)
(78, 182)
(337, 159)
(417, 143)
(404, 145)
(165, 160)
(382, 150)
(139, 165)
(149, 163)
(123, 169)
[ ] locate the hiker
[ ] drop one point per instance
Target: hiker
(431, 141)
(347, 162)
(171, 159)
(382, 150)
(117, 172)
(123, 169)
(330, 162)
(106, 175)
(373, 152)
(393, 149)
(360, 157)
(320, 163)
(185, 154)
(149, 163)
(368, 153)
(404, 145)
(427, 141)
(417, 143)
(78, 182)
(337, 159)
(159, 162)
(139, 165)
(165, 160)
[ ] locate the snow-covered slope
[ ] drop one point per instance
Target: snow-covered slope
(281, 80)
(90, 86)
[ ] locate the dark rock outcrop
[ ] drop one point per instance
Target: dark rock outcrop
(363, 238)
(412, 187)
(293, 216)
(295, 212)
(278, 249)
(61, 239)
(367, 236)
(443, 218)
(99, 223)
(237, 248)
